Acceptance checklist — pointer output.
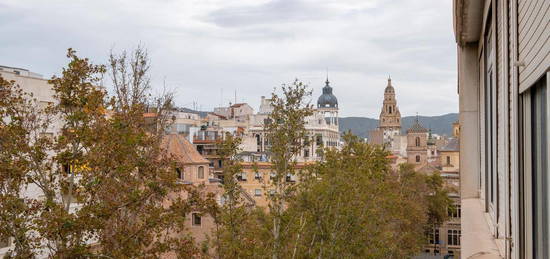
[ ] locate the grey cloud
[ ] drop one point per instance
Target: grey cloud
(205, 46)
(279, 11)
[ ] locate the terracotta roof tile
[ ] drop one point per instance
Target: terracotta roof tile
(417, 128)
(182, 149)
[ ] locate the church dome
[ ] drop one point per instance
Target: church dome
(327, 99)
(417, 128)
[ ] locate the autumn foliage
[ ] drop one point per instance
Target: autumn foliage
(103, 185)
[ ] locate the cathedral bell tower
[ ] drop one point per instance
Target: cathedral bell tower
(390, 117)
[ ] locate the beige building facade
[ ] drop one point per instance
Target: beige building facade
(503, 49)
(417, 145)
(390, 116)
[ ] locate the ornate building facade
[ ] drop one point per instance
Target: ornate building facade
(389, 124)
(417, 144)
(390, 117)
(322, 127)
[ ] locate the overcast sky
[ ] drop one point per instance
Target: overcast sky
(199, 47)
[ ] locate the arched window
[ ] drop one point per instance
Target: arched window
(390, 109)
(417, 141)
(417, 158)
(200, 173)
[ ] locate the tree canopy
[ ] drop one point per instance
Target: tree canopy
(103, 181)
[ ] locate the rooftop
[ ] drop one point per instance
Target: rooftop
(182, 149)
(417, 128)
(452, 145)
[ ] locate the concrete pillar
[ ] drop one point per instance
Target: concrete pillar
(468, 87)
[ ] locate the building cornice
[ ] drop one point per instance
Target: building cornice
(467, 20)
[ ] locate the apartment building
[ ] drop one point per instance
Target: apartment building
(238, 112)
(503, 71)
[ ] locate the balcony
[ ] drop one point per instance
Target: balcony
(477, 240)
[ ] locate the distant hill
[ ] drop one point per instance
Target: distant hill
(360, 126)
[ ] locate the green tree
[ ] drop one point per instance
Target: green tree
(23, 155)
(287, 135)
(231, 216)
(353, 205)
(109, 186)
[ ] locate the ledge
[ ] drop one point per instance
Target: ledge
(477, 241)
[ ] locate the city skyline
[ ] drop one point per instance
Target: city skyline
(254, 46)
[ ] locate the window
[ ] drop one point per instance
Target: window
(179, 173)
(539, 178)
(454, 211)
(448, 160)
(417, 141)
(433, 236)
(258, 192)
(319, 140)
(197, 220)
(272, 175)
(258, 176)
(536, 182)
(242, 177)
(200, 173)
(306, 152)
(453, 237)
(290, 178)
(417, 158)
(490, 188)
